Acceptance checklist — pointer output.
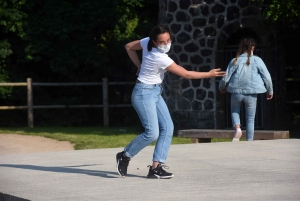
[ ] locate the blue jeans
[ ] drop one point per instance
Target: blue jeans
(250, 106)
(156, 120)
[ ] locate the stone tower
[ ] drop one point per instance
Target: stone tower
(205, 35)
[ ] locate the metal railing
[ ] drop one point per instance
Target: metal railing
(293, 80)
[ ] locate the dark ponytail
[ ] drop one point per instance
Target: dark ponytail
(150, 45)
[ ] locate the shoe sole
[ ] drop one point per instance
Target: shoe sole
(118, 166)
(237, 136)
(160, 177)
(235, 140)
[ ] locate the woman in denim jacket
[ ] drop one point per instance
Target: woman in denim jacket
(246, 76)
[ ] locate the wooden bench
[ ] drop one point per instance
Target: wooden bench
(205, 135)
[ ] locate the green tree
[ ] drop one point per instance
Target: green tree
(53, 40)
(70, 41)
(281, 14)
(75, 37)
(12, 21)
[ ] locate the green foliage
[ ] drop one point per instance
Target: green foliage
(281, 13)
(11, 17)
(5, 51)
(12, 21)
(69, 41)
(72, 40)
(82, 37)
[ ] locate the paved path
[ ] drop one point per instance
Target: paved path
(260, 170)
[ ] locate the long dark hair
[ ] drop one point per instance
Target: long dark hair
(245, 45)
(158, 29)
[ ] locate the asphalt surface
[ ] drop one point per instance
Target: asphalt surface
(258, 170)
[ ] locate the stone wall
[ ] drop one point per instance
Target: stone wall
(201, 30)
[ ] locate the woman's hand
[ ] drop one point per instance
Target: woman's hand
(269, 96)
(217, 72)
(138, 71)
(223, 91)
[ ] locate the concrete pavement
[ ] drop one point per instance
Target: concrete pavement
(258, 170)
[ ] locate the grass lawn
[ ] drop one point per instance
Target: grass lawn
(90, 137)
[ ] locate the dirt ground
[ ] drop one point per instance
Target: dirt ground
(15, 144)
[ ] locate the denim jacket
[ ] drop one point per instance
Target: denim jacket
(252, 79)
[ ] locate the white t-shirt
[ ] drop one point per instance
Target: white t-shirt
(154, 64)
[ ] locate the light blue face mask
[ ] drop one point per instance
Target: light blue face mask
(164, 48)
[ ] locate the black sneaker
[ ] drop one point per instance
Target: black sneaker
(122, 164)
(159, 172)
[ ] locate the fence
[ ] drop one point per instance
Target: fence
(30, 107)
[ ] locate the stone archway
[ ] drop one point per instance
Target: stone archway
(201, 29)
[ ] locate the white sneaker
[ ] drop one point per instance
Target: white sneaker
(237, 135)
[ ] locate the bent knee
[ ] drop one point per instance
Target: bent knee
(151, 135)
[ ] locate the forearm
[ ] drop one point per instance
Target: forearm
(134, 57)
(266, 78)
(131, 49)
(182, 72)
(269, 85)
(196, 75)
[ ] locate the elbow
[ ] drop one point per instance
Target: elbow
(128, 47)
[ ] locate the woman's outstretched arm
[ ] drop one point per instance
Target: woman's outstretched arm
(182, 72)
